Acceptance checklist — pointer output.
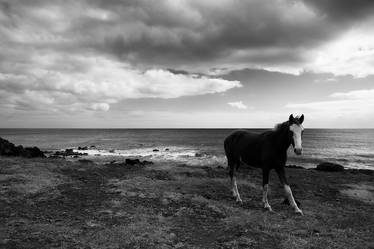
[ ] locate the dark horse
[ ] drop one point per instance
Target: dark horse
(267, 151)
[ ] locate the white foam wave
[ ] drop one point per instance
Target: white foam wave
(187, 155)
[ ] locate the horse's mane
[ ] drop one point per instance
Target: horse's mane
(285, 124)
(281, 126)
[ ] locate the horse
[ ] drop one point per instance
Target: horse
(267, 151)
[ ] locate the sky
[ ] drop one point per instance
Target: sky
(186, 63)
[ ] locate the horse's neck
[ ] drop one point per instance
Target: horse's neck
(281, 136)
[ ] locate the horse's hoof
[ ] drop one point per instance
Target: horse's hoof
(298, 211)
(269, 209)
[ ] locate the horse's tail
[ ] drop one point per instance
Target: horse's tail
(233, 158)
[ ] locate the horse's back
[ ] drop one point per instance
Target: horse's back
(243, 145)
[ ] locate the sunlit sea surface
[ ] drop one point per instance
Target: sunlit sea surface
(352, 148)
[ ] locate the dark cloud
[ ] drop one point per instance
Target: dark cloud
(343, 10)
(184, 34)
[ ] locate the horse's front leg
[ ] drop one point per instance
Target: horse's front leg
(287, 190)
(234, 186)
(265, 189)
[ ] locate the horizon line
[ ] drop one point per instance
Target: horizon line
(174, 128)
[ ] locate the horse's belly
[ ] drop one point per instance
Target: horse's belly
(251, 160)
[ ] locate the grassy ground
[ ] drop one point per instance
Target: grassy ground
(52, 203)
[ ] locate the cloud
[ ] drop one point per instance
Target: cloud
(100, 107)
(343, 109)
(99, 83)
(238, 104)
(280, 35)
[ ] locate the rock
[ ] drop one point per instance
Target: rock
(132, 161)
(156, 150)
(294, 167)
(9, 149)
(112, 151)
(198, 155)
(69, 152)
(83, 148)
(331, 167)
(167, 149)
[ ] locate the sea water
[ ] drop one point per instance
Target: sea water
(352, 148)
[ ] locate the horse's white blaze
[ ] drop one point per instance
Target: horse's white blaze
(297, 130)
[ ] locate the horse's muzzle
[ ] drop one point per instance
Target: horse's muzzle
(298, 151)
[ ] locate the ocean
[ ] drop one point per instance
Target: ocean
(352, 148)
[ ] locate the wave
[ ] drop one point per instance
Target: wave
(180, 154)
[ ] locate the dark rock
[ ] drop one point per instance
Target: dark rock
(331, 167)
(68, 152)
(294, 167)
(9, 149)
(167, 149)
(156, 150)
(145, 162)
(83, 148)
(136, 161)
(34, 152)
(112, 151)
(132, 161)
(198, 155)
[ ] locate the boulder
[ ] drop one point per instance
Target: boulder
(331, 167)
(136, 161)
(156, 150)
(294, 166)
(9, 149)
(32, 152)
(132, 161)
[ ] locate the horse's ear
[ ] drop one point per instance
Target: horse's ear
(290, 119)
(301, 119)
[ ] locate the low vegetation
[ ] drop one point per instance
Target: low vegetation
(53, 203)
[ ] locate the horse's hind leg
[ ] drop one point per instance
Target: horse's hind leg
(234, 187)
(265, 186)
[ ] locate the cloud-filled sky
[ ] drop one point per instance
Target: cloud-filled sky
(186, 63)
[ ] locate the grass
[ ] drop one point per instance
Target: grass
(52, 203)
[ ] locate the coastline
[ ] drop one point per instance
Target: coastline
(56, 203)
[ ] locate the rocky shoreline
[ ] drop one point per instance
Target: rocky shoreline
(9, 149)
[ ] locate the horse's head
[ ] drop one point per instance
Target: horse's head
(296, 132)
